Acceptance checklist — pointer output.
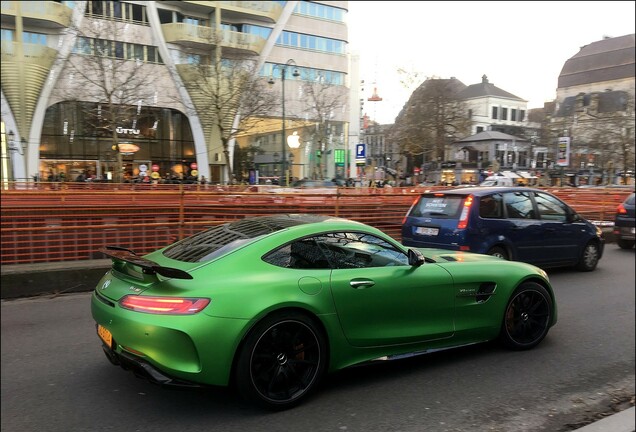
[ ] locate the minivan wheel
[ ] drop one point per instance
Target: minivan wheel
(498, 252)
(589, 257)
(625, 244)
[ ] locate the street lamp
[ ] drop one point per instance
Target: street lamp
(13, 147)
(276, 159)
(283, 71)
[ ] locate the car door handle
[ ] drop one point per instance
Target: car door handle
(361, 283)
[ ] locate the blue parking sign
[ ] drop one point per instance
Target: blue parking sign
(361, 153)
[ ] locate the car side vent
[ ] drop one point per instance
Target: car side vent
(449, 258)
(485, 290)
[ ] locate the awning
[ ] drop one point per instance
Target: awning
(511, 174)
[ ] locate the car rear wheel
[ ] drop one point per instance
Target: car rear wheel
(589, 257)
(499, 252)
(625, 244)
(527, 317)
(281, 361)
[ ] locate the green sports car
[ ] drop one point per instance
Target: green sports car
(270, 304)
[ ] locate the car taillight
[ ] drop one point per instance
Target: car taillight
(408, 212)
(164, 305)
(621, 209)
(463, 218)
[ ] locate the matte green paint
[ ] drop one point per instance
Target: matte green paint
(407, 309)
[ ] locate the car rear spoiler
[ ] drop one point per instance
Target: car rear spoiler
(149, 267)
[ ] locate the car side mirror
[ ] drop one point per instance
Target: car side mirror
(416, 258)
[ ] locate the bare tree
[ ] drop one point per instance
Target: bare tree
(119, 80)
(611, 140)
(222, 87)
(321, 102)
(431, 119)
(602, 139)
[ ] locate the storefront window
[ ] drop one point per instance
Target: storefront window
(78, 136)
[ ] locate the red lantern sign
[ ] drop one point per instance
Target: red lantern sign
(193, 165)
(155, 167)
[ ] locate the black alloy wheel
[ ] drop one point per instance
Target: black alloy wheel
(281, 361)
(527, 317)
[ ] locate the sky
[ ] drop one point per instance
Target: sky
(521, 46)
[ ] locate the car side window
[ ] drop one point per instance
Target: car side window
(491, 206)
(341, 250)
(301, 254)
(519, 205)
(347, 250)
(550, 208)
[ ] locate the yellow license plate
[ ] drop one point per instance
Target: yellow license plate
(105, 335)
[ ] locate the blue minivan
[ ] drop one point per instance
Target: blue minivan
(513, 223)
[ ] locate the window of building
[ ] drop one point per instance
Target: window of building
(320, 11)
(306, 74)
(6, 35)
(34, 38)
(480, 129)
(522, 115)
(311, 42)
(165, 16)
(504, 113)
(513, 114)
(118, 11)
(495, 112)
(263, 32)
(470, 113)
(121, 50)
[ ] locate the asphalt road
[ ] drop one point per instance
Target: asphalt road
(56, 378)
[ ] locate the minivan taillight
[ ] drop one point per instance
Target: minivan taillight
(621, 209)
(409, 211)
(463, 218)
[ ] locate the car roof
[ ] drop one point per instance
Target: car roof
(202, 245)
(481, 191)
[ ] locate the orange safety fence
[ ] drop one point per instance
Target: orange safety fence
(53, 223)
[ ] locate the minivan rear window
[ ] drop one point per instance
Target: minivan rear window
(438, 206)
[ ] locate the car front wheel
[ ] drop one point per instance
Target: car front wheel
(589, 258)
(527, 317)
(281, 361)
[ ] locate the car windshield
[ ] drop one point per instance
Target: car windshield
(441, 206)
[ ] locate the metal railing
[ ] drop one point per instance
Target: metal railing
(53, 222)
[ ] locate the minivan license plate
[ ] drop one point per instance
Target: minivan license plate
(427, 231)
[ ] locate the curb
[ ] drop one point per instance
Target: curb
(30, 280)
(619, 422)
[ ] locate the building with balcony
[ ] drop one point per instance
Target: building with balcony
(143, 111)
